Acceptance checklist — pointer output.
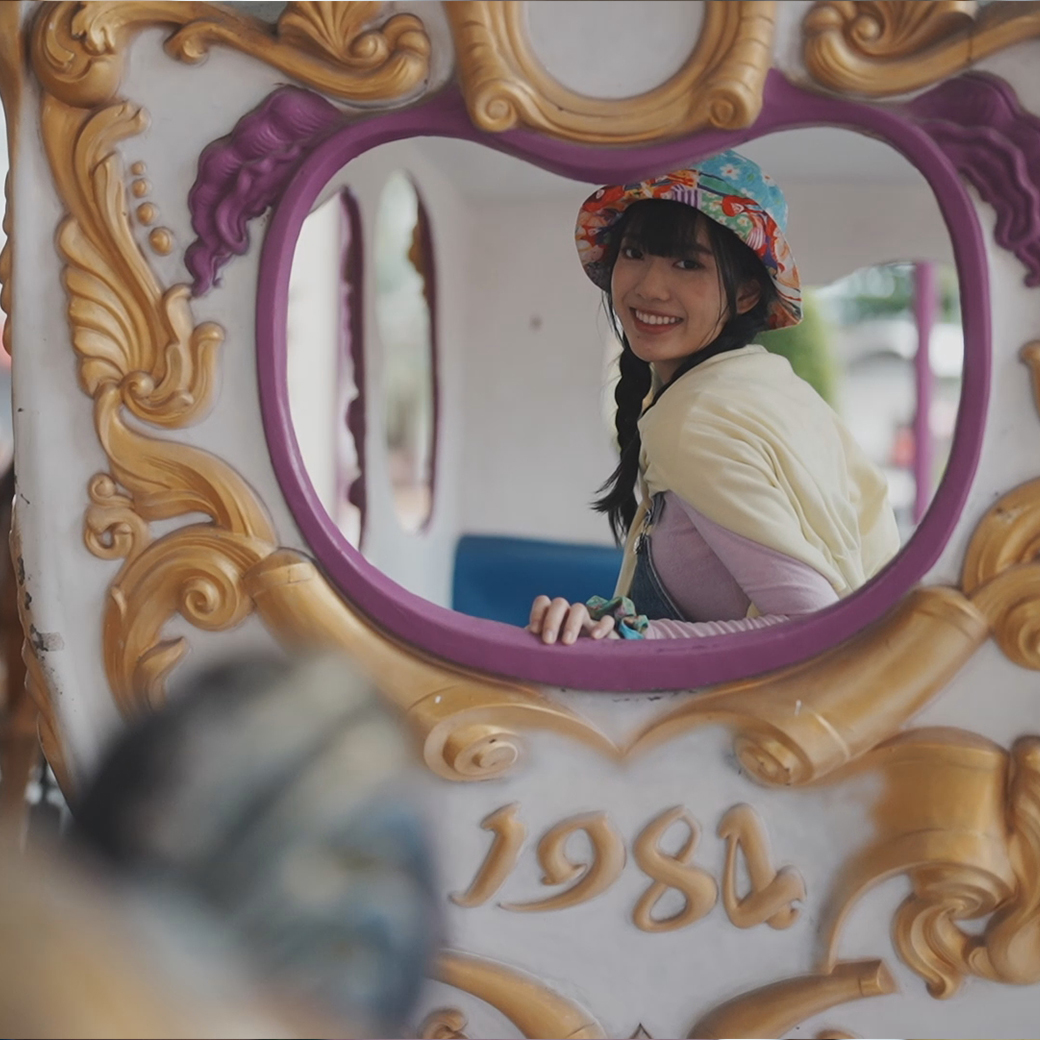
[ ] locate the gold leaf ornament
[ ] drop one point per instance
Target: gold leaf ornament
(1001, 572)
(79, 48)
(534, 1008)
(125, 329)
(330, 46)
(880, 48)
(445, 1023)
(960, 816)
(505, 85)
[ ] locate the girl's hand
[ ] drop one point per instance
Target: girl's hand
(552, 619)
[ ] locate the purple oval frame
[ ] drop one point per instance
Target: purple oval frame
(620, 665)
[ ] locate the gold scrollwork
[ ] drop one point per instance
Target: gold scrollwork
(139, 350)
(801, 723)
(960, 816)
(443, 1024)
(879, 48)
(774, 1010)
(78, 48)
(506, 86)
(1000, 573)
(468, 723)
(534, 1008)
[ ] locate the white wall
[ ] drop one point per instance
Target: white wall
(537, 446)
(313, 338)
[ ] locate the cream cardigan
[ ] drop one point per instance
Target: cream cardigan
(754, 448)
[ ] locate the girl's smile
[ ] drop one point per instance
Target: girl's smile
(671, 306)
(652, 323)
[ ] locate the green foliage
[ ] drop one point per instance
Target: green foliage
(808, 347)
(887, 291)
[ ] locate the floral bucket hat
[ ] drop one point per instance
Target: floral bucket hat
(727, 187)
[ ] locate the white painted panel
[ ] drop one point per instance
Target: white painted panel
(616, 49)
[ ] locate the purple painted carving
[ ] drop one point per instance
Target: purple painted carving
(241, 175)
(350, 374)
(654, 664)
(995, 144)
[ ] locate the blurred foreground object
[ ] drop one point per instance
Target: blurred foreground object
(82, 958)
(275, 799)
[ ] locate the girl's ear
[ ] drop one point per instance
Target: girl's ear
(748, 296)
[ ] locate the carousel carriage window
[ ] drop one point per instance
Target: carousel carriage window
(324, 336)
(404, 303)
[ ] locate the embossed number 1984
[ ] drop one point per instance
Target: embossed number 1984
(769, 899)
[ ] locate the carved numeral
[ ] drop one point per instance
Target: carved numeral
(509, 832)
(697, 886)
(590, 879)
(772, 892)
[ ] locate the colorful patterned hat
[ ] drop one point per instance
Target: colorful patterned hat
(730, 189)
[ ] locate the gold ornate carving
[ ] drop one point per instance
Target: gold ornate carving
(134, 340)
(697, 886)
(885, 47)
(961, 818)
(141, 353)
(443, 1024)
(776, 1009)
(535, 1009)
(505, 85)
(799, 724)
(590, 879)
(161, 240)
(1000, 572)
(773, 892)
(509, 831)
(469, 723)
(78, 48)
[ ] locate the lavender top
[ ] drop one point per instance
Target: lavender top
(714, 576)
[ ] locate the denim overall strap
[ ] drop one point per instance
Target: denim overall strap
(647, 591)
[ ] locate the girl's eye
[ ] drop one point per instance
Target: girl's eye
(631, 253)
(689, 265)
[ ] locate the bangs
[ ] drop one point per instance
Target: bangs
(662, 227)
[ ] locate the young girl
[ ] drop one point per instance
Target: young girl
(756, 504)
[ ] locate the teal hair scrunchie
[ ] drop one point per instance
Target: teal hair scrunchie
(628, 623)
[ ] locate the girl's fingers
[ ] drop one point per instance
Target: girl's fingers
(553, 619)
(577, 620)
(538, 609)
(558, 619)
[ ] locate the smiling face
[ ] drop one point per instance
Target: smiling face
(670, 306)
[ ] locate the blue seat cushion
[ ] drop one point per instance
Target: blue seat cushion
(498, 578)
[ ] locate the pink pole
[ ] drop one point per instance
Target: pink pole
(926, 304)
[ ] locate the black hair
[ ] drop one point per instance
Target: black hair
(663, 227)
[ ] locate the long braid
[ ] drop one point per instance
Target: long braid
(619, 502)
